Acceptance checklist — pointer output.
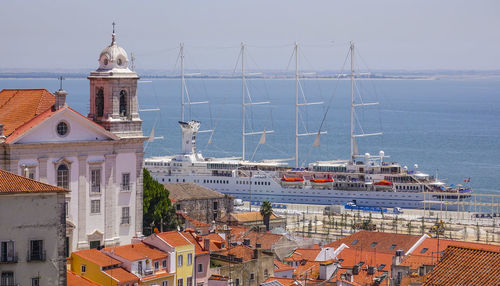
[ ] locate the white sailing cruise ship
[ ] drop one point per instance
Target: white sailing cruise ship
(363, 180)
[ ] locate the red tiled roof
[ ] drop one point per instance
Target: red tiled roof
(136, 251)
(74, 279)
(18, 106)
(266, 239)
(216, 241)
(174, 238)
(198, 249)
(121, 275)
(12, 183)
(193, 221)
(362, 278)
(249, 216)
(218, 277)
(158, 274)
(97, 257)
(351, 257)
(431, 244)
(240, 251)
(385, 242)
(308, 254)
(280, 266)
(466, 266)
(309, 269)
(414, 261)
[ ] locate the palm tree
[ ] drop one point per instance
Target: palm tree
(266, 209)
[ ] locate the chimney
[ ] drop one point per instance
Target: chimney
(60, 99)
(258, 245)
(398, 258)
(246, 241)
(206, 244)
(326, 270)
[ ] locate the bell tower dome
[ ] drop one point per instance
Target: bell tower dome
(113, 92)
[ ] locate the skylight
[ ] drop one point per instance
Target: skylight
(354, 242)
(393, 246)
(373, 244)
(424, 250)
(380, 267)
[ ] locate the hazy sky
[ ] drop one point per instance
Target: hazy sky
(389, 34)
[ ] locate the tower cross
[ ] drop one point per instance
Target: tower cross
(113, 27)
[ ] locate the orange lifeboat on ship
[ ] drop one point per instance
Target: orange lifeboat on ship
(383, 183)
(321, 182)
(296, 182)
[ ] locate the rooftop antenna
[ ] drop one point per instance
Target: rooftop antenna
(60, 82)
(113, 35)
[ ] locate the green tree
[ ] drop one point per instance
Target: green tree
(158, 209)
(266, 209)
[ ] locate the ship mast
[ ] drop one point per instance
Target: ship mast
(354, 148)
(244, 104)
(297, 106)
(183, 84)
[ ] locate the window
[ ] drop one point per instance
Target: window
(125, 215)
(66, 246)
(424, 250)
(35, 281)
(178, 207)
(95, 179)
(83, 268)
(7, 278)
(126, 182)
(393, 246)
(63, 176)
(157, 265)
(99, 102)
(164, 283)
(95, 244)
(190, 259)
(354, 242)
(189, 281)
(123, 103)
(164, 263)
(180, 282)
(36, 251)
(237, 282)
(62, 128)
(252, 276)
(373, 244)
(266, 273)
(66, 208)
(7, 251)
(215, 206)
(380, 267)
(200, 267)
(179, 260)
(95, 206)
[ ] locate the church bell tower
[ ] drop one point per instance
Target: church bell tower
(113, 93)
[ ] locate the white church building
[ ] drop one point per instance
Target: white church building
(97, 157)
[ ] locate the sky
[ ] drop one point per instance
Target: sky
(389, 34)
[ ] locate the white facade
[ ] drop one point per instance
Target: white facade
(98, 158)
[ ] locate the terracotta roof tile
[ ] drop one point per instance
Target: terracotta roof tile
(193, 238)
(308, 254)
(218, 277)
(97, 257)
(137, 251)
(216, 241)
(18, 106)
(74, 279)
(121, 275)
(466, 266)
(283, 281)
(249, 216)
(12, 183)
(377, 241)
(430, 246)
(280, 266)
(174, 238)
(266, 239)
(193, 221)
(190, 191)
(309, 269)
(240, 251)
(362, 278)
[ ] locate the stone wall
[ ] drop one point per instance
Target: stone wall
(203, 209)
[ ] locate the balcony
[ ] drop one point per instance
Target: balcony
(125, 188)
(9, 259)
(95, 189)
(36, 256)
(125, 220)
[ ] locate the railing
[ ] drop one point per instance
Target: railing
(126, 188)
(36, 256)
(9, 284)
(125, 220)
(95, 189)
(148, 272)
(9, 259)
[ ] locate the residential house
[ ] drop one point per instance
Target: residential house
(244, 265)
(181, 253)
(198, 202)
(97, 157)
(32, 239)
(202, 257)
(100, 268)
(77, 280)
(149, 264)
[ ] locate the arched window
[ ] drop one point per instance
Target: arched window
(63, 176)
(123, 103)
(99, 102)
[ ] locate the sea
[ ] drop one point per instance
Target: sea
(448, 128)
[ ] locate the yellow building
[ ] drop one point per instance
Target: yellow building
(181, 254)
(101, 268)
